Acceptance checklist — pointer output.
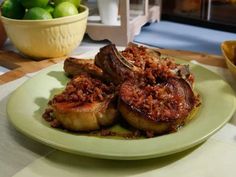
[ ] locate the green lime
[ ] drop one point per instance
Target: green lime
(75, 2)
(65, 9)
(34, 3)
(49, 8)
(37, 13)
(12, 9)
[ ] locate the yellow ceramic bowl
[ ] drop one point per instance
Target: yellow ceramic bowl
(47, 38)
(228, 49)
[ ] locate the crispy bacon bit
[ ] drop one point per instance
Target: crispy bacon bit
(138, 56)
(47, 115)
(84, 89)
(166, 101)
(155, 67)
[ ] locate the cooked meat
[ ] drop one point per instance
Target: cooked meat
(137, 62)
(155, 94)
(159, 108)
(115, 65)
(75, 66)
(86, 104)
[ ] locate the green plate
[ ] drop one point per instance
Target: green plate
(27, 103)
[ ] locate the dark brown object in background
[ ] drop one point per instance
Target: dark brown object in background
(3, 35)
(223, 11)
(188, 6)
(215, 14)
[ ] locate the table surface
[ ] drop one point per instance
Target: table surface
(17, 151)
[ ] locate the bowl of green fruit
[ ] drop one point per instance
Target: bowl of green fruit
(44, 28)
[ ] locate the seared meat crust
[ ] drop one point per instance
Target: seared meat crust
(86, 104)
(75, 66)
(159, 108)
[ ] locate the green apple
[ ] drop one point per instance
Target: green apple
(75, 2)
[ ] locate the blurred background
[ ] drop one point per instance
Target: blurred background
(217, 14)
(196, 25)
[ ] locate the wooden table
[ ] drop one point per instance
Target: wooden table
(20, 65)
